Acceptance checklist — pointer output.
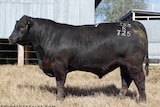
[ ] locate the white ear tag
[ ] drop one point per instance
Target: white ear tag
(26, 26)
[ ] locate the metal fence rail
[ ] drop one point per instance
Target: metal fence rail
(9, 53)
(152, 28)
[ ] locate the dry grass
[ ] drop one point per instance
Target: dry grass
(28, 85)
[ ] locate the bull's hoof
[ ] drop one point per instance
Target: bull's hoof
(60, 97)
(142, 100)
(122, 93)
(121, 96)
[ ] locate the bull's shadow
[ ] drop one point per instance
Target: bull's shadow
(109, 90)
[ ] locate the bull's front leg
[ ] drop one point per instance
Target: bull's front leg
(60, 87)
(60, 74)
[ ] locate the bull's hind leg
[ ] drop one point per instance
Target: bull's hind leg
(126, 81)
(139, 78)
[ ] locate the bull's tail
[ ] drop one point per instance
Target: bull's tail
(146, 58)
(147, 64)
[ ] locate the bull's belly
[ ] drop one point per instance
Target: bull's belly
(47, 71)
(99, 69)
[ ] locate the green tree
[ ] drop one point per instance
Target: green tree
(112, 10)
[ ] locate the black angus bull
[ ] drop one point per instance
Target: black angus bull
(99, 49)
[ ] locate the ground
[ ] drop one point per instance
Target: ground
(29, 86)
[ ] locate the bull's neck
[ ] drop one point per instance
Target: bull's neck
(36, 42)
(38, 35)
(35, 34)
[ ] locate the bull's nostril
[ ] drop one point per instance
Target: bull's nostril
(10, 41)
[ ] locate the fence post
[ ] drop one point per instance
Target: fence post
(20, 55)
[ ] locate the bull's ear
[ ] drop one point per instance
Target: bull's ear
(28, 19)
(29, 23)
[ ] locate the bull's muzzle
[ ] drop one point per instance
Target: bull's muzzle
(11, 41)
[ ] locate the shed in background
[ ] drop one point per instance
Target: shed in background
(151, 21)
(76, 12)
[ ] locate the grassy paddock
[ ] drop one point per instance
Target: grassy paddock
(28, 85)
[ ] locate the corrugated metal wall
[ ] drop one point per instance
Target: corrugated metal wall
(76, 12)
(153, 32)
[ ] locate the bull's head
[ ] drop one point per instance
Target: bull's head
(21, 31)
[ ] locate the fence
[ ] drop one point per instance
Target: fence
(9, 54)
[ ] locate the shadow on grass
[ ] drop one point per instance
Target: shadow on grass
(109, 90)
